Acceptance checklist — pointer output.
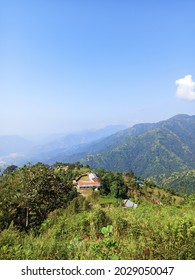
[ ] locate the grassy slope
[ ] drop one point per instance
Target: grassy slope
(160, 228)
(148, 232)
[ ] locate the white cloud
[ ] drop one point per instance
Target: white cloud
(185, 88)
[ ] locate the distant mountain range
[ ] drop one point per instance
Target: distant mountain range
(18, 150)
(148, 149)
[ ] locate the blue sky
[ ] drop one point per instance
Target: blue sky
(69, 65)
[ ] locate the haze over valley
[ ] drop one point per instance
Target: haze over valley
(148, 149)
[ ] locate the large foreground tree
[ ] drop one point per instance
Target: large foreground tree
(28, 194)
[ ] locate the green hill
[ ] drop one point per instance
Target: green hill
(43, 217)
(183, 182)
(148, 149)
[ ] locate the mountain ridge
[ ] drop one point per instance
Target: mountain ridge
(64, 144)
(148, 149)
(153, 149)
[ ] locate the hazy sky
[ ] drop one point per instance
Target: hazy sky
(68, 65)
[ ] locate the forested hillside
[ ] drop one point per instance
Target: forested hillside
(43, 216)
(182, 182)
(153, 149)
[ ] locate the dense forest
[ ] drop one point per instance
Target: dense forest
(182, 182)
(167, 145)
(44, 216)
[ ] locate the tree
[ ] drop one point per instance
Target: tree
(112, 183)
(10, 168)
(30, 193)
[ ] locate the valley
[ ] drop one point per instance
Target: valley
(128, 195)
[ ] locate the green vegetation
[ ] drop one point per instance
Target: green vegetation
(30, 193)
(149, 232)
(148, 149)
(42, 216)
(180, 182)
